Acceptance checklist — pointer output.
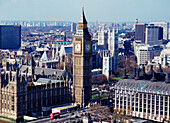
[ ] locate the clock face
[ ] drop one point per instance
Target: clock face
(77, 47)
(87, 47)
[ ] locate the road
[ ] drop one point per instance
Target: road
(62, 119)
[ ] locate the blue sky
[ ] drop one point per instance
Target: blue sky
(70, 10)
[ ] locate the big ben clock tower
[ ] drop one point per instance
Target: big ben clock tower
(82, 61)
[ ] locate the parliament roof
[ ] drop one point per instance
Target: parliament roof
(148, 86)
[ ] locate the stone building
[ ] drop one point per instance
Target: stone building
(26, 89)
(144, 95)
(82, 63)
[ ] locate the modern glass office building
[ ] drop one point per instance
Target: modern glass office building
(10, 36)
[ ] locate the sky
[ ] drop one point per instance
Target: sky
(95, 10)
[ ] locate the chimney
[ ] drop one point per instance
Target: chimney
(21, 78)
(26, 77)
(124, 75)
(0, 79)
(137, 75)
(143, 74)
(134, 74)
(151, 70)
(42, 73)
(143, 69)
(167, 78)
(22, 61)
(160, 69)
(153, 77)
(65, 68)
(96, 46)
(16, 75)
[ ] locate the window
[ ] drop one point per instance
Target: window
(12, 107)
(13, 88)
(12, 98)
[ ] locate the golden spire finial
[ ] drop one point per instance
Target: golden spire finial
(82, 18)
(83, 6)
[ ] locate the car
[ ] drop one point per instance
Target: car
(82, 114)
(76, 116)
(96, 119)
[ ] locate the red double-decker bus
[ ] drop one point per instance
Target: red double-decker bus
(55, 115)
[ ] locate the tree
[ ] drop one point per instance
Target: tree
(102, 78)
(129, 63)
(69, 63)
(60, 65)
(93, 79)
(67, 60)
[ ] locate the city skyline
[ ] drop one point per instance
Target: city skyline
(97, 10)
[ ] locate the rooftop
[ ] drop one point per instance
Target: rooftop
(158, 87)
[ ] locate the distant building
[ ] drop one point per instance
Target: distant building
(165, 26)
(112, 40)
(168, 45)
(103, 38)
(105, 53)
(73, 27)
(10, 37)
(153, 35)
(65, 50)
(96, 72)
(165, 57)
(46, 62)
(157, 50)
(113, 48)
(169, 34)
(144, 54)
(140, 30)
(109, 65)
(136, 45)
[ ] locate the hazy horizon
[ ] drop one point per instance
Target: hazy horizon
(95, 10)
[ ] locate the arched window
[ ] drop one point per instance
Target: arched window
(12, 88)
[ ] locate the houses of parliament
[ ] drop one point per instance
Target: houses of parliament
(26, 88)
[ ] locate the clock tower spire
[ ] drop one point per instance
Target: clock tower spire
(82, 61)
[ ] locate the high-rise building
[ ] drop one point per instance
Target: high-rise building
(113, 48)
(73, 27)
(10, 37)
(112, 40)
(103, 37)
(153, 34)
(140, 30)
(82, 61)
(144, 54)
(165, 26)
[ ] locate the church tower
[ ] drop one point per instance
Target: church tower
(82, 61)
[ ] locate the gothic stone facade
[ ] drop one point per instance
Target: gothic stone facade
(82, 61)
(22, 93)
